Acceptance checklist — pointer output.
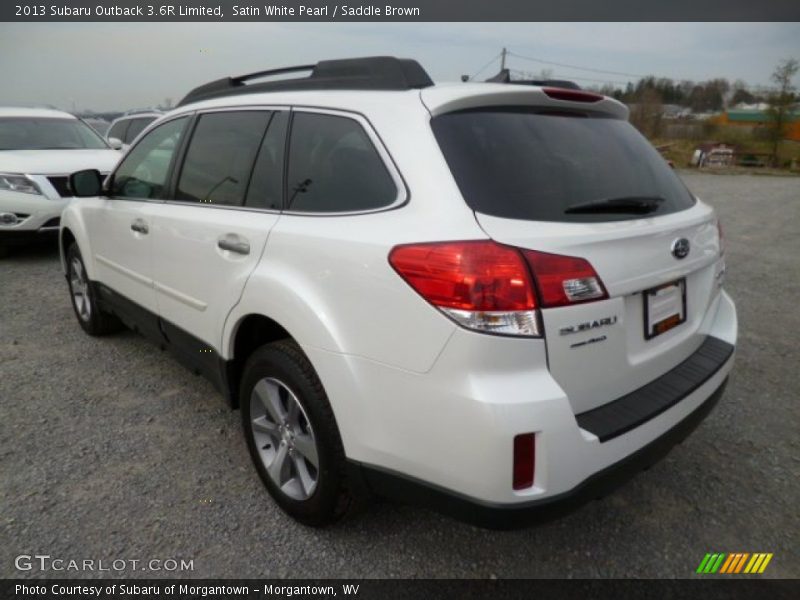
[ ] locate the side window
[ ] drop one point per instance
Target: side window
(119, 129)
(266, 184)
(136, 127)
(334, 167)
(143, 171)
(220, 157)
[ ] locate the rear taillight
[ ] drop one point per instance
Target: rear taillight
(489, 287)
(524, 460)
(480, 284)
(721, 239)
(564, 280)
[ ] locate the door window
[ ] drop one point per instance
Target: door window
(118, 130)
(220, 157)
(266, 184)
(136, 127)
(334, 167)
(143, 172)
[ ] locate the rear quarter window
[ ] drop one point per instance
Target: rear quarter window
(517, 163)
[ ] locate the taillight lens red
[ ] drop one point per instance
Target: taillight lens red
(489, 287)
(564, 280)
(473, 275)
(524, 460)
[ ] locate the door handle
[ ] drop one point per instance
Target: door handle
(140, 226)
(234, 244)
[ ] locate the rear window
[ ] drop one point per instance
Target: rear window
(520, 164)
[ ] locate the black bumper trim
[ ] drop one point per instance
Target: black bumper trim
(649, 401)
(510, 516)
(15, 237)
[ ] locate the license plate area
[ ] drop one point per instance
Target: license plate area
(664, 308)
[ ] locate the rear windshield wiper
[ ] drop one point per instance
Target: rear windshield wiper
(629, 204)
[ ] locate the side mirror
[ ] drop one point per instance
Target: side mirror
(85, 184)
(115, 143)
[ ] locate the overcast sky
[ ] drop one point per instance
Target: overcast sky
(115, 66)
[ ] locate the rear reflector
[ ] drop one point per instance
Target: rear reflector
(564, 280)
(524, 460)
(572, 95)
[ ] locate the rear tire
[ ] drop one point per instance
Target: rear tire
(84, 301)
(293, 437)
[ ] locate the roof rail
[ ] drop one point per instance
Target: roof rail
(369, 73)
(504, 76)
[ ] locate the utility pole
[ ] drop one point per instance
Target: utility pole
(503, 59)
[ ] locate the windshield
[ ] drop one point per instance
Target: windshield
(519, 164)
(30, 133)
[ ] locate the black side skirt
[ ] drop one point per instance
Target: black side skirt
(191, 352)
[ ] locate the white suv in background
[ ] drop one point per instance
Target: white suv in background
(123, 130)
(39, 148)
(495, 300)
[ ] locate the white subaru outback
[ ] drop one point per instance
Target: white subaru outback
(39, 148)
(495, 300)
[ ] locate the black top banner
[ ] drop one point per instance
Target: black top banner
(401, 10)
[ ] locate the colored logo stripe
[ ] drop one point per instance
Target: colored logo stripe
(734, 562)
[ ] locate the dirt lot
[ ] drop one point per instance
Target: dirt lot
(110, 450)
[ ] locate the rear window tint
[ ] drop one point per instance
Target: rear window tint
(519, 164)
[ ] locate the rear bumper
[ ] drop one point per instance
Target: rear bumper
(510, 516)
(452, 427)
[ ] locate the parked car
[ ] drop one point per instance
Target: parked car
(124, 129)
(495, 300)
(99, 125)
(39, 148)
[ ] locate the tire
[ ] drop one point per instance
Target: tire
(84, 301)
(279, 375)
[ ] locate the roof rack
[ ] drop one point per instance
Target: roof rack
(369, 73)
(504, 76)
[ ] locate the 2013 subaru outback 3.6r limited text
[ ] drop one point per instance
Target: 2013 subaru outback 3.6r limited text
(495, 300)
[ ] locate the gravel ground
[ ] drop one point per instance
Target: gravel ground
(109, 449)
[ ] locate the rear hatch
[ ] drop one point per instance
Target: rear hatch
(580, 183)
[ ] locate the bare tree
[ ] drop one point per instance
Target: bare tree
(781, 103)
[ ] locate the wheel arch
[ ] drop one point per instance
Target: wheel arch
(247, 334)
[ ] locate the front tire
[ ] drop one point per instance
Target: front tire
(292, 435)
(84, 301)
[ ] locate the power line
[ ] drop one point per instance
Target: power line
(484, 67)
(558, 64)
(754, 88)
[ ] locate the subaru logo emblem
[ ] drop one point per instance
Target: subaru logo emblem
(680, 248)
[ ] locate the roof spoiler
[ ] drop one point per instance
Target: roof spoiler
(504, 76)
(370, 73)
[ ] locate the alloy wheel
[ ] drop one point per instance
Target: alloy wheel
(284, 438)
